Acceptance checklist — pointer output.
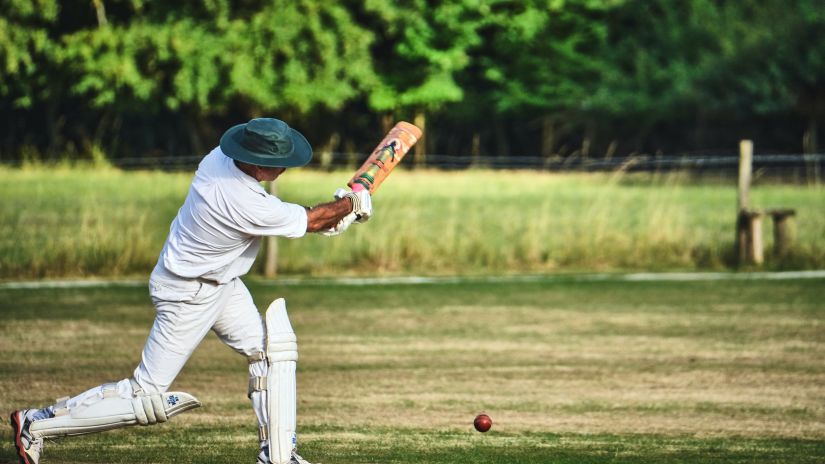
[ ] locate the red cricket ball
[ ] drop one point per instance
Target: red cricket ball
(483, 422)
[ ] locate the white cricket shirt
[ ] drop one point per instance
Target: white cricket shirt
(217, 232)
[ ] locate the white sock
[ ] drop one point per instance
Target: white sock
(37, 414)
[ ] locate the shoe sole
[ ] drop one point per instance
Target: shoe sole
(14, 420)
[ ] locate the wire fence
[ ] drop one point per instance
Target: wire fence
(803, 167)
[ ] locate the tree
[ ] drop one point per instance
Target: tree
(772, 62)
(658, 53)
(545, 60)
(298, 55)
(421, 47)
(702, 62)
(26, 49)
(184, 63)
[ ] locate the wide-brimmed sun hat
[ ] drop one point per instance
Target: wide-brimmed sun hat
(266, 142)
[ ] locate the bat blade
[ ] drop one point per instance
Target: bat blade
(383, 159)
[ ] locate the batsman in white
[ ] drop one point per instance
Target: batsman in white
(195, 287)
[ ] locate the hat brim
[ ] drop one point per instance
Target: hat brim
(300, 155)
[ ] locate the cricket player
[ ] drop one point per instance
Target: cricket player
(196, 287)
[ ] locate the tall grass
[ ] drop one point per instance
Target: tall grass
(80, 221)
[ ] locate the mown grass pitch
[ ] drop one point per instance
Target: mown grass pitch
(570, 371)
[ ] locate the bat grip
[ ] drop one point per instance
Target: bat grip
(356, 187)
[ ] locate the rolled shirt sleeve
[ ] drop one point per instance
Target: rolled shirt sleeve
(269, 215)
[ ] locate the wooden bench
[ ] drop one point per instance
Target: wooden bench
(782, 230)
(749, 247)
(749, 242)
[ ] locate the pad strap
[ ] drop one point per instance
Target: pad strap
(256, 383)
(256, 357)
(61, 406)
(263, 433)
(102, 411)
(149, 409)
(136, 388)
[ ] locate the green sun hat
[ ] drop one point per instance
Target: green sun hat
(266, 142)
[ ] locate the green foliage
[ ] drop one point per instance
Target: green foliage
(734, 58)
(427, 45)
(655, 54)
(297, 54)
(25, 51)
(125, 68)
(546, 56)
(148, 76)
(768, 61)
(283, 55)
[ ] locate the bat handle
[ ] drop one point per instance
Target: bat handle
(357, 187)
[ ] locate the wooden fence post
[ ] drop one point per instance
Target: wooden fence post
(420, 148)
(271, 244)
(756, 254)
(749, 246)
(745, 170)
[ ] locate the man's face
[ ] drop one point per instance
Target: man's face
(268, 174)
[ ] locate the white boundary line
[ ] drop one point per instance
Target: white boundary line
(418, 280)
(85, 283)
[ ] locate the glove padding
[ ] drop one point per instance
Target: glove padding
(361, 203)
(342, 225)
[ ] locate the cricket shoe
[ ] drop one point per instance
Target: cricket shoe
(28, 447)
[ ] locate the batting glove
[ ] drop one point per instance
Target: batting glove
(361, 203)
(342, 225)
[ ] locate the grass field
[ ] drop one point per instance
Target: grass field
(570, 371)
(59, 221)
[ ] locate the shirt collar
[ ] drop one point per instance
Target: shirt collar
(245, 178)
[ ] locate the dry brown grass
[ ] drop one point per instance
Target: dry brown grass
(547, 362)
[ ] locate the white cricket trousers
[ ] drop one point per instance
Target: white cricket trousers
(186, 311)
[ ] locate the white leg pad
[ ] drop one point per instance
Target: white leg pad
(106, 410)
(282, 354)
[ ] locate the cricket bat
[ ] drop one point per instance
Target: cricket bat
(385, 157)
